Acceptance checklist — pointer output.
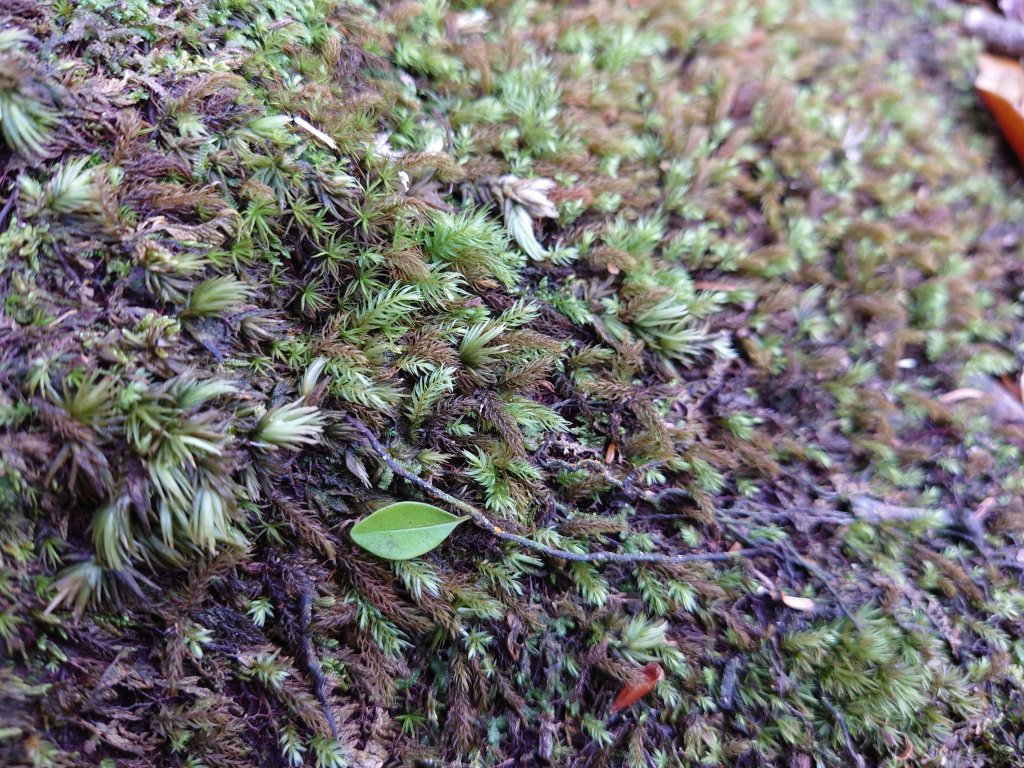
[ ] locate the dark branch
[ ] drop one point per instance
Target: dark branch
(999, 33)
(316, 672)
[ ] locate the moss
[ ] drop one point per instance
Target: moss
(668, 277)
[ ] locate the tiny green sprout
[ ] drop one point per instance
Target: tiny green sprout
(80, 585)
(27, 116)
(640, 637)
(591, 585)
(476, 643)
(411, 723)
(195, 637)
(42, 753)
(289, 427)
(9, 629)
(93, 400)
(216, 297)
(428, 391)
(210, 521)
(819, 456)
(520, 226)
(309, 380)
(329, 753)
(596, 730)
(39, 379)
(268, 670)
(312, 300)
(476, 350)
(292, 748)
(112, 534)
(273, 128)
(192, 394)
(70, 190)
(741, 425)
(260, 610)
(179, 739)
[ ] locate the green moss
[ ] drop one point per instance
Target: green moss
(651, 277)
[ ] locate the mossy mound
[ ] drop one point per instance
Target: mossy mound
(715, 286)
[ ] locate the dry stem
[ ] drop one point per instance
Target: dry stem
(484, 522)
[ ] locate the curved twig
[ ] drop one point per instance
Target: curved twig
(312, 662)
(484, 522)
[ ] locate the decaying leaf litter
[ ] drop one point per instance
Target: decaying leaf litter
(684, 284)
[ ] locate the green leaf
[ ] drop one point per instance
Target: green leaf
(404, 530)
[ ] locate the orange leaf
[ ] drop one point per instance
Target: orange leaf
(631, 693)
(1000, 84)
(609, 454)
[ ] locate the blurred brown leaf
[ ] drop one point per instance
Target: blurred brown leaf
(1000, 85)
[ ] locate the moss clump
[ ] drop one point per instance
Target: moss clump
(655, 277)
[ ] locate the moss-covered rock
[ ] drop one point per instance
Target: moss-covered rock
(705, 312)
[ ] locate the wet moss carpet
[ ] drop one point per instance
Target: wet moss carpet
(708, 312)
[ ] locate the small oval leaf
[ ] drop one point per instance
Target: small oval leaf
(404, 530)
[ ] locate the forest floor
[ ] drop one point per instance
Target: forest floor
(706, 317)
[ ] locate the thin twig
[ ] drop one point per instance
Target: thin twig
(9, 205)
(850, 749)
(64, 262)
(312, 662)
(727, 690)
(874, 511)
(484, 522)
(999, 33)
